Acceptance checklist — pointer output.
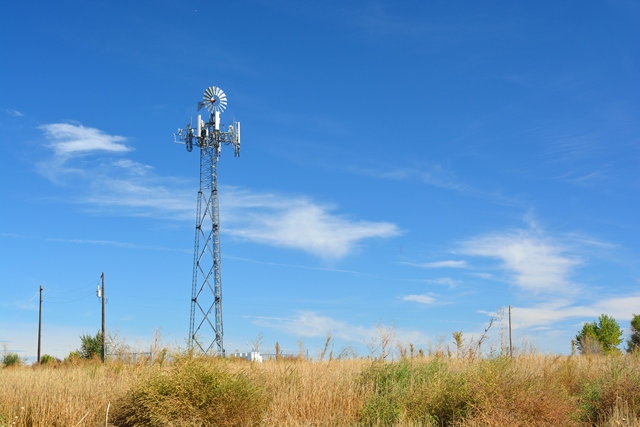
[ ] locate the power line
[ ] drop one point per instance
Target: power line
(93, 283)
(66, 302)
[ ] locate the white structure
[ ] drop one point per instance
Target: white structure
(253, 356)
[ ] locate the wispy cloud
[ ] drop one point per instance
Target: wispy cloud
(572, 148)
(69, 139)
(435, 175)
(429, 173)
(115, 244)
(121, 186)
(298, 223)
(422, 299)
(311, 324)
(383, 21)
(440, 264)
(553, 312)
(135, 195)
(447, 281)
(13, 113)
(534, 263)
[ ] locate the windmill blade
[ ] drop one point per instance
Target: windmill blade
(214, 99)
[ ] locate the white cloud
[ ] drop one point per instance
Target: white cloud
(140, 195)
(133, 167)
(311, 324)
(116, 244)
(422, 299)
(535, 263)
(433, 174)
(68, 140)
(14, 113)
(447, 281)
(441, 264)
(298, 223)
(129, 188)
(483, 275)
(430, 173)
(553, 312)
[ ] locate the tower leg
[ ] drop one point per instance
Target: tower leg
(205, 329)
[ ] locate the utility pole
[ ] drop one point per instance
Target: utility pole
(39, 324)
(103, 327)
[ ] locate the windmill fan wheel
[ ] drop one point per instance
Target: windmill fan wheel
(215, 99)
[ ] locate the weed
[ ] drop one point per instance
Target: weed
(194, 391)
(423, 393)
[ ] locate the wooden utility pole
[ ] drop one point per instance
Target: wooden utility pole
(103, 323)
(39, 324)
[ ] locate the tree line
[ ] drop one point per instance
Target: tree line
(604, 336)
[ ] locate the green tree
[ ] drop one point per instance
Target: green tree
(90, 345)
(633, 343)
(601, 336)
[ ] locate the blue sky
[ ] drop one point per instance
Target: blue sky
(416, 164)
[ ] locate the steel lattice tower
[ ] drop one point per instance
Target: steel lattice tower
(205, 325)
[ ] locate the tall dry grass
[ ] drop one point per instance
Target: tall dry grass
(313, 393)
(62, 395)
(529, 390)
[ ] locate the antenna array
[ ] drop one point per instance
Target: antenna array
(205, 325)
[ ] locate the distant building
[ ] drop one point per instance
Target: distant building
(253, 356)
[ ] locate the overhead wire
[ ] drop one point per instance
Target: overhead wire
(65, 302)
(94, 282)
(54, 301)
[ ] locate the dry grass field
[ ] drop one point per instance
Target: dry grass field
(531, 390)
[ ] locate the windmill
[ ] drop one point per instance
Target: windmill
(205, 325)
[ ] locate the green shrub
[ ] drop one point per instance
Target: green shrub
(493, 391)
(11, 359)
(413, 392)
(91, 346)
(618, 383)
(47, 359)
(193, 391)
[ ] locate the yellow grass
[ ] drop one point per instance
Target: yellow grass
(527, 391)
(62, 395)
(313, 393)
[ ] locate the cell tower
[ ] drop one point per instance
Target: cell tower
(205, 326)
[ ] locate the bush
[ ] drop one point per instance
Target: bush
(494, 391)
(413, 392)
(91, 346)
(194, 391)
(47, 359)
(11, 359)
(618, 383)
